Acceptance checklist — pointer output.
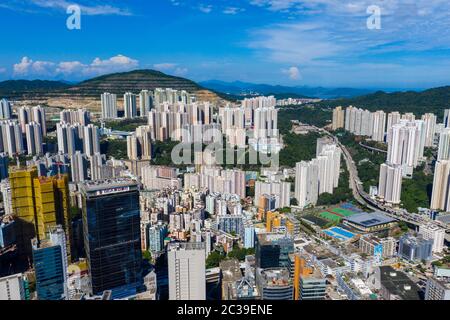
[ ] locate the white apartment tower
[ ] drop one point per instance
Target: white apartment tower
(91, 140)
(129, 105)
(306, 183)
(429, 120)
(187, 279)
(444, 145)
(145, 102)
(390, 184)
(109, 105)
(5, 109)
(338, 118)
(33, 134)
(379, 126)
(440, 198)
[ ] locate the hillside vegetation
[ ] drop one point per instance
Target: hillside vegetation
(434, 100)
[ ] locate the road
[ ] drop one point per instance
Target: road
(363, 198)
(372, 148)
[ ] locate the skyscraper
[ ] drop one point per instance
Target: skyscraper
(109, 105)
(111, 228)
(447, 118)
(429, 120)
(306, 183)
(91, 140)
(393, 119)
(5, 109)
(50, 264)
(75, 116)
(406, 141)
(51, 200)
(145, 102)
(379, 126)
(338, 118)
(78, 167)
(11, 138)
(390, 183)
(266, 122)
(34, 114)
(22, 193)
(444, 145)
(33, 132)
(4, 163)
(187, 280)
(69, 138)
(129, 105)
(440, 198)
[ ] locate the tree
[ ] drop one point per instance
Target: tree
(214, 259)
(240, 253)
(147, 255)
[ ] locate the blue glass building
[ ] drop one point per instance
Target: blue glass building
(4, 161)
(272, 250)
(111, 231)
(49, 269)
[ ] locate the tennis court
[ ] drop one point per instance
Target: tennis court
(343, 212)
(330, 216)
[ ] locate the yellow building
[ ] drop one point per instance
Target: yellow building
(52, 205)
(39, 203)
(21, 179)
(290, 227)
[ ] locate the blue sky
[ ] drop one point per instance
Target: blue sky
(289, 42)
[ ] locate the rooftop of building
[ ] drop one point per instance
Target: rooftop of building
(443, 283)
(398, 283)
(270, 238)
(186, 246)
(231, 270)
(275, 277)
(369, 219)
(374, 240)
(91, 186)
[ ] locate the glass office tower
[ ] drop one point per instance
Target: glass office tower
(50, 269)
(111, 230)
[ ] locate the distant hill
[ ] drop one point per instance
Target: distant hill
(244, 88)
(87, 93)
(19, 87)
(434, 100)
(133, 81)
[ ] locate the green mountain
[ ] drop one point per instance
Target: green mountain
(19, 87)
(434, 100)
(119, 83)
(132, 81)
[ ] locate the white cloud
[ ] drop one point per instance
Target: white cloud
(2, 70)
(164, 66)
(181, 71)
(173, 68)
(87, 7)
(293, 72)
(299, 43)
(232, 10)
(23, 67)
(205, 8)
(118, 63)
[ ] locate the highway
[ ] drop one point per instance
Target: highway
(363, 198)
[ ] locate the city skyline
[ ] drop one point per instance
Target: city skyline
(138, 185)
(288, 42)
